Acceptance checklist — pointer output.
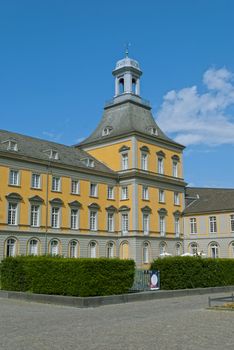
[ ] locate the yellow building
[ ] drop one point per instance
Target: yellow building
(118, 193)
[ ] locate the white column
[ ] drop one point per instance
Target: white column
(138, 87)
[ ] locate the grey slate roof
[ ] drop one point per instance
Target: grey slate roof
(32, 147)
(202, 200)
(125, 118)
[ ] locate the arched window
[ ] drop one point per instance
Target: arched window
(124, 250)
(146, 258)
(162, 248)
(134, 86)
(178, 248)
(121, 85)
(73, 249)
(110, 250)
(232, 249)
(54, 247)
(214, 250)
(93, 249)
(33, 247)
(11, 247)
(193, 248)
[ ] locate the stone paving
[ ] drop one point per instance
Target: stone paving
(173, 324)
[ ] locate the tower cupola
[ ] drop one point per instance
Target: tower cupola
(127, 77)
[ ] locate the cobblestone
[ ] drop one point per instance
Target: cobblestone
(174, 324)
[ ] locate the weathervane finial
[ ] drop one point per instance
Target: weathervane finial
(127, 49)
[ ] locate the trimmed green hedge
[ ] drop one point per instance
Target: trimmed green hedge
(63, 276)
(194, 272)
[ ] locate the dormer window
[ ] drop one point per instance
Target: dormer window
(53, 154)
(11, 145)
(88, 162)
(106, 131)
(153, 130)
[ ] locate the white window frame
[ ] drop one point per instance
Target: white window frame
(93, 249)
(110, 222)
(12, 213)
(124, 223)
(75, 186)
(54, 249)
(176, 198)
(55, 217)
(144, 161)
(146, 258)
(162, 225)
(36, 181)
(35, 215)
(93, 217)
(161, 196)
(145, 223)
(214, 250)
(175, 168)
(14, 177)
(124, 161)
(110, 250)
(213, 224)
(194, 248)
(124, 192)
(93, 190)
(193, 226)
(110, 192)
(56, 184)
(232, 223)
(160, 165)
(74, 219)
(177, 226)
(145, 192)
(73, 248)
(33, 249)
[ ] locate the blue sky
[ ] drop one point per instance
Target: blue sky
(57, 57)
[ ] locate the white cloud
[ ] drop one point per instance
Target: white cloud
(194, 118)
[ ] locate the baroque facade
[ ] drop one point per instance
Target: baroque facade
(119, 193)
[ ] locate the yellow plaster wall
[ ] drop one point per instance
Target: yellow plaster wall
(152, 158)
(110, 155)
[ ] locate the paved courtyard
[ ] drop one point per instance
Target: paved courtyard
(176, 323)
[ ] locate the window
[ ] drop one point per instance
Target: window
(35, 212)
(144, 161)
(145, 192)
(232, 223)
(74, 219)
(33, 247)
(160, 165)
(93, 220)
(162, 248)
(153, 131)
(175, 168)
(193, 226)
(162, 225)
(124, 192)
(93, 249)
(145, 253)
(73, 249)
(110, 192)
(194, 249)
(106, 131)
(177, 226)
(53, 154)
(124, 161)
(161, 196)
(110, 250)
(214, 250)
(178, 249)
(54, 247)
(75, 186)
(213, 224)
(176, 198)
(88, 162)
(146, 223)
(11, 247)
(124, 222)
(93, 190)
(36, 181)
(12, 214)
(110, 222)
(56, 184)
(12, 146)
(14, 178)
(55, 222)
